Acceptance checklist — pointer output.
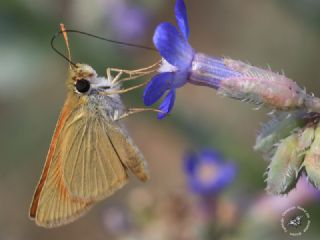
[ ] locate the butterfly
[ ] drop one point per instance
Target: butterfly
(90, 151)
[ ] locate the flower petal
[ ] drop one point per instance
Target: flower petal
(209, 155)
(227, 174)
(225, 177)
(180, 78)
(190, 163)
(157, 87)
(173, 47)
(167, 104)
(182, 18)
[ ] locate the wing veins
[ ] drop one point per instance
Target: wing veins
(77, 155)
(114, 149)
(100, 160)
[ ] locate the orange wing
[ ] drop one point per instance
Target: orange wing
(52, 204)
(87, 161)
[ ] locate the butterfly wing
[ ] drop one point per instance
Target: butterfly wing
(128, 152)
(56, 206)
(87, 161)
(94, 164)
(52, 205)
(92, 167)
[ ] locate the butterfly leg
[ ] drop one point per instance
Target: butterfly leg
(133, 74)
(150, 68)
(132, 111)
(108, 73)
(116, 78)
(124, 90)
(130, 75)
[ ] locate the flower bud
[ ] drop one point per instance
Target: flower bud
(285, 166)
(312, 160)
(279, 127)
(306, 138)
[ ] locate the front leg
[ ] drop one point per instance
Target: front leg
(133, 74)
(132, 111)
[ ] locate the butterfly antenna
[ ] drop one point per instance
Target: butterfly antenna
(65, 36)
(112, 41)
(65, 31)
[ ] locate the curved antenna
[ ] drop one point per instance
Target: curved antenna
(57, 34)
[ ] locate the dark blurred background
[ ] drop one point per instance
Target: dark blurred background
(284, 35)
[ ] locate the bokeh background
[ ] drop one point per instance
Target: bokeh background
(284, 35)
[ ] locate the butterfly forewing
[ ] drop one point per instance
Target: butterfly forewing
(92, 167)
(52, 204)
(56, 206)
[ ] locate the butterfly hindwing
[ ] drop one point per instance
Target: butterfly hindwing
(129, 153)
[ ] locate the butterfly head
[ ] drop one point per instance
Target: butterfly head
(84, 80)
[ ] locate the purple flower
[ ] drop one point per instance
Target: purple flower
(128, 22)
(207, 173)
(181, 64)
(177, 54)
(178, 60)
(116, 220)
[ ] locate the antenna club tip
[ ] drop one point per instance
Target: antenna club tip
(62, 27)
(65, 36)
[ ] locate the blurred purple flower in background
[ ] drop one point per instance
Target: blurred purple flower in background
(178, 214)
(207, 172)
(128, 22)
(116, 220)
(181, 64)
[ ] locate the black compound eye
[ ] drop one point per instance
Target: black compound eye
(82, 85)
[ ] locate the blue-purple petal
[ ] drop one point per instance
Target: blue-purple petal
(180, 78)
(190, 163)
(167, 104)
(224, 178)
(182, 18)
(223, 175)
(209, 155)
(157, 86)
(227, 174)
(173, 47)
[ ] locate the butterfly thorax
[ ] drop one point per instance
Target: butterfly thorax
(93, 93)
